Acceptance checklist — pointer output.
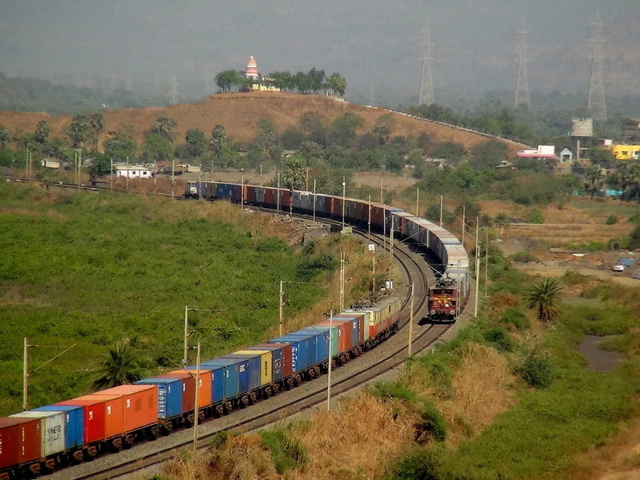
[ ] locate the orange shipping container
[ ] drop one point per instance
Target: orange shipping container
(140, 404)
(114, 413)
(206, 385)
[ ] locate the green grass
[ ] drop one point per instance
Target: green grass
(91, 269)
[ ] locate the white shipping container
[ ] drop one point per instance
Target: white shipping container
(52, 427)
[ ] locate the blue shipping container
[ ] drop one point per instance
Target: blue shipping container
(276, 360)
(253, 367)
(169, 395)
(217, 380)
(298, 351)
(74, 427)
(322, 343)
(230, 380)
(310, 342)
(237, 375)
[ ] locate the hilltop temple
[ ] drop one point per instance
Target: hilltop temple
(258, 83)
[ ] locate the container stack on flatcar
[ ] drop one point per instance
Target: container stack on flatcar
(79, 429)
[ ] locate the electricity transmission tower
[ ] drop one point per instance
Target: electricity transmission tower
(597, 103)
(173, 90)
(522, 88)
(426, 85)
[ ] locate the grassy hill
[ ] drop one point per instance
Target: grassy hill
(241, 114)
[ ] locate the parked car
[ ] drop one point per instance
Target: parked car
(618, 267)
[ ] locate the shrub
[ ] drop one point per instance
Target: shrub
(524, 257)
(536, 370)
(387, 391)
(535, 216)
(432, 423)
(499, 338)
(286, 452)
(516, 317)
(424, 464)
(271, 244)
(611, 219)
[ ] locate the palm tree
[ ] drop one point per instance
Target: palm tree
(118, 367)
(501, 221)
(593, 179)
(544, 297)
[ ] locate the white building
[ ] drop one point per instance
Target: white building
(133, 171)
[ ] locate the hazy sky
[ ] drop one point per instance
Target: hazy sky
(370, 42)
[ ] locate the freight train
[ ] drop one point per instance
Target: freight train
(72, 431)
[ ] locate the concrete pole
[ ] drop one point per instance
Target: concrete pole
(196, 410)
(186, 335)
(126, 185)
(314, 199)
(344, 198)
(25, 375)
(475, 308)
(410, 324)
(441, 206)
(369, 221)
(342, 259)
(486, 264)
(173, 176)
(278, 196)
(242, 189)
(330, 360)
(417, 201)
(111, 174)
(464, 211)
(281, 306)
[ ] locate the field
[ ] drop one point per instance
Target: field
(92, 270)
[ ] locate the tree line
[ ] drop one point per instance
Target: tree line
(311, 82)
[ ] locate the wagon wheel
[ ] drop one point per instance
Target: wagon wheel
(219, 411)
(228, 407)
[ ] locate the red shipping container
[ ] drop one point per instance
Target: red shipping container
(250, 194)
(114, 413)
(270, 197)
(361, 325)
(287, 355)
(20, 440)
(94, 412)
(286, 200)
(344, 333)
(188, 389)
(10, 438)
(140, 404)
(205, 394)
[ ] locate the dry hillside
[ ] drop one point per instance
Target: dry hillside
(240, 113)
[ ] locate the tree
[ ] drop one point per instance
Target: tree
(100, 165)
(593, 180)
(267, 138)
(196, 142)
(227, 80)
(164, 126)
(118, 366)
(43, 130)
(293, 176)
(337, 83)
(4, 137)
(219, 140)
(120, 147)
(316, 79)
(97, 125)
(78, 130)
(343, 129)
(501, 221)
(544, 297)
(384, 127)
(157, 149)
(312, 124)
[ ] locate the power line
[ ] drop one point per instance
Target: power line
(522, 87)
(597, 103)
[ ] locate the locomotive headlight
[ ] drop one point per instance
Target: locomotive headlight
(452, 312)
(447, 305)
(433, 312)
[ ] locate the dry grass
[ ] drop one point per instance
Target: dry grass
(480, 391)
(355, 440)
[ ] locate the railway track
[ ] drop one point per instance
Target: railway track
(385, 357)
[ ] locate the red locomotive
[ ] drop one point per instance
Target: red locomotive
(444, 304)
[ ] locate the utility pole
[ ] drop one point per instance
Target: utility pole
(464, 208)
(111, 174)
(281, 306)
(410, 323)
(173, 175)
(26, 165)
(441, 206)
(417, 201)
(127, 180)
(185, 360)
(25, 375)
(242, 189)
(344, 199)
(369, 220)
(260, 173)
(196, 412)
(314, 199)
(330, 360)
(475, 308)
(486, 263)
(278, 196)
(79, 167)
(373, 276)
(342, 259)
(391, 254)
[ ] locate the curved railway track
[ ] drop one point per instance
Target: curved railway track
(388, 355)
